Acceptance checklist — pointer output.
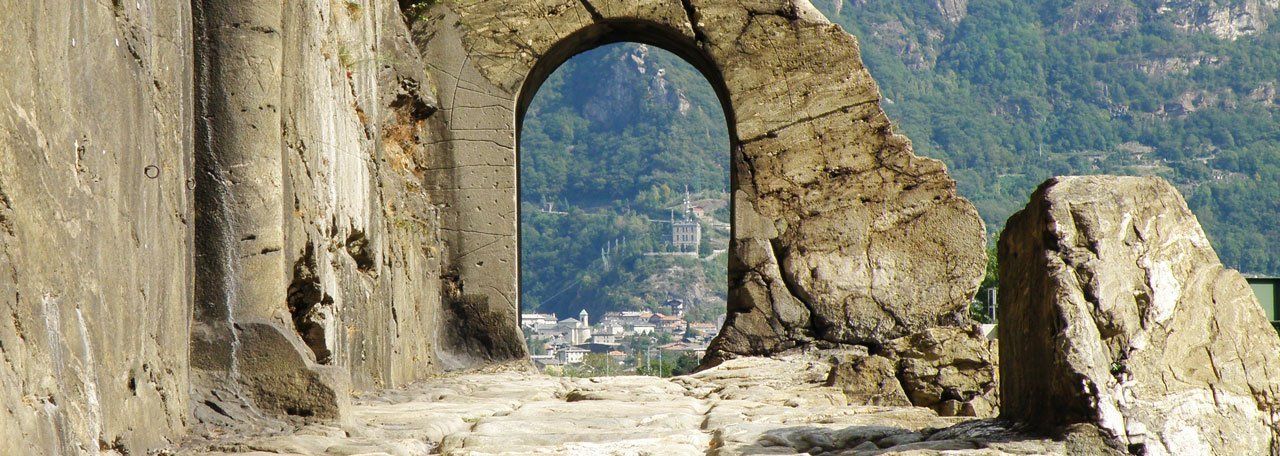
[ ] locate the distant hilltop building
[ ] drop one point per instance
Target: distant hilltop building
(576, 331)
(686, 234)
(675, 306)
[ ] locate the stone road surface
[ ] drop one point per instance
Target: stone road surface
(743, 407)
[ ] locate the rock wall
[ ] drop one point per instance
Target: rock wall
(210, 214)
(329, 249)
(95, 224)
(363, 234)
(1115, 312)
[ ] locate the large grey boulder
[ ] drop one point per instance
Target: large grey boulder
(1116, 311)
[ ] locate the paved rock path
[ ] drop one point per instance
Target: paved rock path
(749, 406)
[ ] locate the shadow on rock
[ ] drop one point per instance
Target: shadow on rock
(996, 434)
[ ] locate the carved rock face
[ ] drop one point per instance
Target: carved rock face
(1115, 311)
(841, 234)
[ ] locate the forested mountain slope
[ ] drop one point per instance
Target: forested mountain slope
(609, 146)
(1010, 92)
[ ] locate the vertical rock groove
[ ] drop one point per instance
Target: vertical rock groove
(246, 352)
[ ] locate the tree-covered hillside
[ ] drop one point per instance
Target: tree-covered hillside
(608, 147)
(1011, 92)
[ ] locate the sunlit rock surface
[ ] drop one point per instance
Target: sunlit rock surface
(1115, 311)
(95, 133)
(744, 406)
(224, 218)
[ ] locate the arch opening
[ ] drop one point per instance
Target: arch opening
(641, 228)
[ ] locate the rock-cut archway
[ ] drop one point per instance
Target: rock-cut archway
(841, 234)
(613, 88)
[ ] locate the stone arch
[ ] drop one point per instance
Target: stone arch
(841, 234)
(618, 31)
(613, 31)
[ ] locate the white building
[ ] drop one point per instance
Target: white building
(577, 331)
(643, 328)
(626, 318)
(542, 362)
(572, 355)
(534, 320)
(614, 329)
(604, 339)
(545, 327)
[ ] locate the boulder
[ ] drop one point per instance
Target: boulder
(949, 369)
(284, 380)
(867, 379)
(1116, 312)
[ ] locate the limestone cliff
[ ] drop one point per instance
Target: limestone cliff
(1224, 19)
(211, 214)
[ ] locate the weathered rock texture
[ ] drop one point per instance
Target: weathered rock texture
(95, 134)
(210, 214)
(315, 236)
(949, 370)
(745, 406)
(1224, 19)
(832, 210)
(1115, 311)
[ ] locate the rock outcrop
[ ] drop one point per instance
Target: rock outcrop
(233, 212)
(949, 370)
(318, 267)
(1115, 311)
(1222, 18)
(213, 213)
(237, 212)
